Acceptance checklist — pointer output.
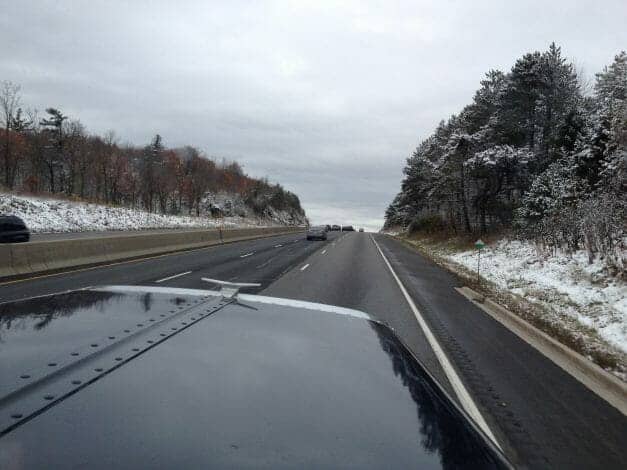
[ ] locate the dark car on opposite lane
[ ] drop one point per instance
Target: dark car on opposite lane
(13, 229)
(317, 233)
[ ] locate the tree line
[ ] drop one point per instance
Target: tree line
(539, 151)
(52, 153)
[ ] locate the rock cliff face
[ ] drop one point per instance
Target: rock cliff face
(225, 204)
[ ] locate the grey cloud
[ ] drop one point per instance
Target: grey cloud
(326, 98)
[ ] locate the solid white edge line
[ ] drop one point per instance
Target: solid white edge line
(304, 267)
(458, 387)
(173, 277)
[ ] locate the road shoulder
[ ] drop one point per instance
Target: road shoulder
(604, 384)
(543, 416)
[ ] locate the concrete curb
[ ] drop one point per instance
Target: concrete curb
(22, 259)
(605, 385)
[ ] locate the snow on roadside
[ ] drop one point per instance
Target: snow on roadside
(54, 215)
(571, 285)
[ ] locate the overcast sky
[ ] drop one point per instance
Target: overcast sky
(326, 98)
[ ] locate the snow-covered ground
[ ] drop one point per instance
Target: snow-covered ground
(567, 282)
(55, 215)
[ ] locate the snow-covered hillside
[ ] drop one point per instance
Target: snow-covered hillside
(55, 215)
(565, 283)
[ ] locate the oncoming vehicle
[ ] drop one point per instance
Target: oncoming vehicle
(336, 228)
(13, 229)
(317, 233)
(361, 230)
(347, 228)
(145, 377)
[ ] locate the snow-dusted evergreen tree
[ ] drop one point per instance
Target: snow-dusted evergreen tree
(560, 99)
(611, 129)
(54, 130)
(516, 119)
(552, 194)
(530, 151)
(481, 114)
(149, 171)
(394, 216)
(498, 174)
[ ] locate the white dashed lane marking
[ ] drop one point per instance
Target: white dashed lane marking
(265, 264)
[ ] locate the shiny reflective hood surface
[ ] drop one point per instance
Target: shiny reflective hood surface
(198, 381)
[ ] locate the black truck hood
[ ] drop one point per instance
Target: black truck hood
(164, 378)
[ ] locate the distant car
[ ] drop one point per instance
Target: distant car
(361, 229)
(347, 228)
(13, 229)
(317, 233)
(336, 228)
(327, 228)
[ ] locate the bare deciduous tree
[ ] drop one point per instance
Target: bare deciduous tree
(9, 106)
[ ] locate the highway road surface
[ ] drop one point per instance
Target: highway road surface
(540, 415)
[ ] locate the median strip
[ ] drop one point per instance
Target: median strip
(22, 260)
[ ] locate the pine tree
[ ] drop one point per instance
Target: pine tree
(515, 119)
(151, 163)
(559, 98)
(530, 151)
(53, 156)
